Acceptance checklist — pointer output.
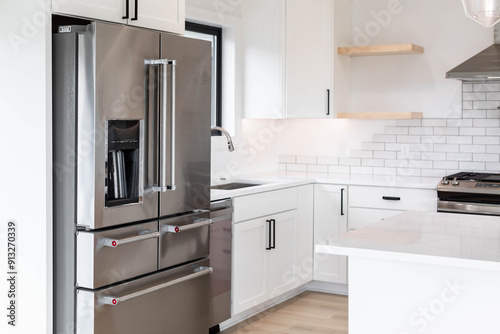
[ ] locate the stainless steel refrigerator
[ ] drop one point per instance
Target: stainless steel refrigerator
(131, 156)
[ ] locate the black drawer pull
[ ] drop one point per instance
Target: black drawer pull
(390, 198)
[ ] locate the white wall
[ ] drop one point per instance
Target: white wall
(25, 169)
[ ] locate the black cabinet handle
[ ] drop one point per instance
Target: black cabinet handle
(269, 239)
(126, 10)
(274, 233)
(390, 198)
(342, 201)
(136, 9)
(328, 102)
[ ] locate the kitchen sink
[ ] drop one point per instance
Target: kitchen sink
(234, 185)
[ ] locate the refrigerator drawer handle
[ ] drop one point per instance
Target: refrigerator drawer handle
(113, 243)
(198, 272)
(179, 229)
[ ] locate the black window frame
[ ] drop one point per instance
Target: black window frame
(217, 32)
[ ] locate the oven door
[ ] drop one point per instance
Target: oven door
(172, 301)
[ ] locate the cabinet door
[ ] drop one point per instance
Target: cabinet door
(166, 15)
(330, 220)
(305, 215)
(250, 241)
(263, 40)
(106, 10)
(309, 58)
(282, 258)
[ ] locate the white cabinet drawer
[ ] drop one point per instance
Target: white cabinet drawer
(264, 204)
(360, 217)
(393, 198)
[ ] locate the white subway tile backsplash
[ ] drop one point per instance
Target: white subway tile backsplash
(459, 122)
(317, 168)
(361, 154)
(485, 140)
(362, 170)
(459, 156)
(486, 87)
(373, 162)
(427, 164)
(487, 123)
(396, 130)
(434, 122)
(490, 96)
(408, 139)
(384, 138)
(437, 146)
(474, 96)
(409, 122)
(446, 164)
(449, 131)
(328, 160)
(474, 113)
(349, 161)
(485, 158)
(484, 105)
(287, 159)
(459, 139)
(296, 168)
(339, 169)
(471, 166)
(472, 131)
(472, 148)
(306, 160)
(446, 148)
(384, 154)
(373, 146)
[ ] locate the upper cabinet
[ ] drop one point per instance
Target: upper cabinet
(289, 64)
(165, 15)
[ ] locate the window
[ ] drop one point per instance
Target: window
(213, 35)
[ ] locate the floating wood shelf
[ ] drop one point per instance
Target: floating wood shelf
(380, 115)
(381, 50)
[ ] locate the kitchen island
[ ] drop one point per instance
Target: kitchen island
(423, 272)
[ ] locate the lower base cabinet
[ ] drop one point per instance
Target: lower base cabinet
(330, 221)
(264, 259)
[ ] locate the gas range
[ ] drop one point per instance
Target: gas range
(466, 192)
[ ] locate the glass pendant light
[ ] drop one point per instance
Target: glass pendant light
(486, 12)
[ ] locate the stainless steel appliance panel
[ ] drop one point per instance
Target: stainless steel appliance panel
(192, 124)
(113, 85)
(111, 256)
(184, 238)
(220, 260)
(172, 301)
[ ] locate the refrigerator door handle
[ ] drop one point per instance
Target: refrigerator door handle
(163, 184)
(113, 243)
(183, 228)
(113, 301)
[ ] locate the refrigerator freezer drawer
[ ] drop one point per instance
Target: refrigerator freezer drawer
(111, 256)
(184, 238)
(172, 301)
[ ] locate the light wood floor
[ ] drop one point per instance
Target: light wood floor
(309, 312)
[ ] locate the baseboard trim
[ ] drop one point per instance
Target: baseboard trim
(317, 286)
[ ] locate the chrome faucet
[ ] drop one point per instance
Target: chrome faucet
(230, 145)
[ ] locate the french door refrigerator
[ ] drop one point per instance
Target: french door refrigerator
(131, 157)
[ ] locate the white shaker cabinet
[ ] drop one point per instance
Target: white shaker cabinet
(165, 15)
(330, 221)
(264, 258)
(309, 61)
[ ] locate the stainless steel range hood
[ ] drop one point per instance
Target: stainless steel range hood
(483, 66)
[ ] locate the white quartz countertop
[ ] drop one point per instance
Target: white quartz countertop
(471, 241)
(279, 180)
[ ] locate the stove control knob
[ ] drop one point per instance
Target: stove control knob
(445, 181)
(455, 182)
